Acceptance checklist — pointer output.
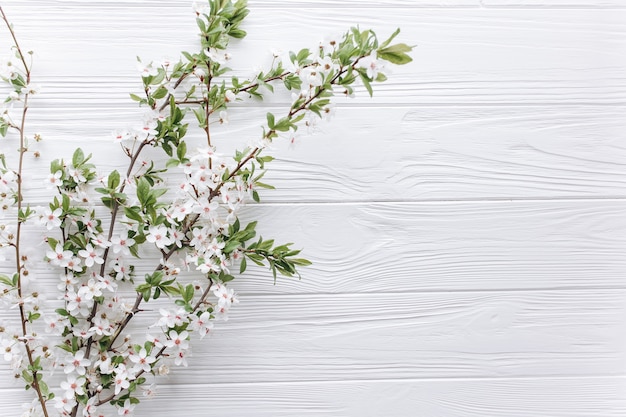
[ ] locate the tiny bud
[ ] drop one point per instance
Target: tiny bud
(36, 154)
(37, 137)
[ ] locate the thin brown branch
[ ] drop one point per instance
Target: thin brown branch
(18, 234)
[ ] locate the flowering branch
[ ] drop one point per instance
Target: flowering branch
(193, 225)
(21, 85)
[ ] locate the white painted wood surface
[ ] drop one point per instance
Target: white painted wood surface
(467, 224)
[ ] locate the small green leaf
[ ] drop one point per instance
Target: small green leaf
(231, 246)
(388, 41)
(396, 54)
(135, 97)
(143, 190)
(270, 120)
(114, 179)
(300, 262)
(160, 93)
(78, 158)
(4, 279)
(181, 150)
(366, 83)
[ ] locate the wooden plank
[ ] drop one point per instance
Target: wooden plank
(463, 56)
(334, 4)
(536, 397)
(274, 4)
(386, 154)
(403, 335)
(543, 4)
(432, 247)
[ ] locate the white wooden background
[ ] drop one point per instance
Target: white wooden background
(467, 224)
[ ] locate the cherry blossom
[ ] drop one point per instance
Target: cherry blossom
(121, 380)
(101, 326)
(201, 324)
(158, 236)
(178, 341)
(142, 361)
(59, 256)
(10, 349)
(73, 385)
(51, 218)
(372, 66)
(76, 363)
(127, 409)
(91, 255)
(121, 243)
(170, 318)
(180, 358)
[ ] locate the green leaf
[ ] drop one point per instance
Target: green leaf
(270, 120)
(160, 93)
(263, 185)
(27, 376)
(135, 97)
(396, 54)
(388, 41)
(188, 293)
(381, 77)
(78, 158)
(301, 262)
(133, 213)
(181, 150)
(231, 246)
(366, 83)
(237, 33)
(4, 279)
(243, 266)
(143, 191)
(114, 179)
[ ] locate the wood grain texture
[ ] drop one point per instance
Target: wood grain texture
(542, 397)
(391, 154)
(473, 246)
(399, 336)
(543, 4)
(552, 56)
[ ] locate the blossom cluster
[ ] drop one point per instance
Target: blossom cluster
(181, 210)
